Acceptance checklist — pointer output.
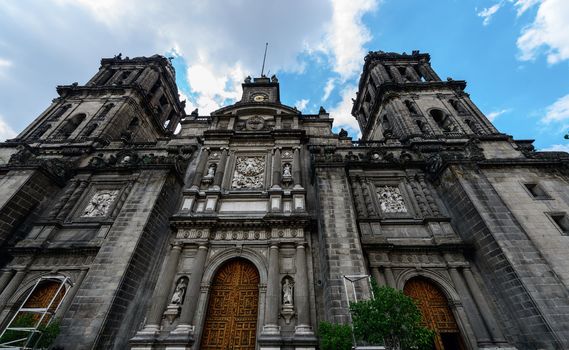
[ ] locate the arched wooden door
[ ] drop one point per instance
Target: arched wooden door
(436, 313)
(231, 321)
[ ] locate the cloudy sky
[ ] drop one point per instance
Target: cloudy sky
(513, 53)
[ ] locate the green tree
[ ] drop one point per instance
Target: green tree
(335, 336)
(390, 318)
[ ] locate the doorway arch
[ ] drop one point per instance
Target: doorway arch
(231, 318)
(436, 313)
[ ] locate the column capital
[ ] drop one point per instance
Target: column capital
(300, 245)
(203, 246)
(274, 245)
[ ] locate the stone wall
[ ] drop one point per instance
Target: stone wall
(527, 292)
(20, 192)
(130, 253)
(340, 249)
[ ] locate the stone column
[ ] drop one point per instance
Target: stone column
(383, 73)
(477, 324)
(12, 287)
(220, 168)
(413, 73)
(483, 306)
(296, 167)
(301, 293)
(71, 186)
(390, 278)
(359, 197)
(273, 293)
(200, 169)
(193, 292)
(160, 299)
(378, 277)
(277, 168)
(79, 190)
(396, 75)
(71, 294)
(5, 278)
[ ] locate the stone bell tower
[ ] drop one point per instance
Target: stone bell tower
(131, 99)
(401, 96)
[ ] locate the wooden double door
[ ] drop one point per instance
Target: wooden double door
(231, 320)
(436, 313)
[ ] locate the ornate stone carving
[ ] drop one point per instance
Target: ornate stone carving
(249, 173)
(287, 308)
(391, 200)
(179, 292)
(100, 203)
(288, 291)
(255, 123)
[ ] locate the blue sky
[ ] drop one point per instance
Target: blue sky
(514, 54)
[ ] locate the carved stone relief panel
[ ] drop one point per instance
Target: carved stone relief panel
(249, 172)
(100, 203)
(391, 200)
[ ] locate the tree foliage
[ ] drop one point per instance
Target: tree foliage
(390, 318)
(335, 336)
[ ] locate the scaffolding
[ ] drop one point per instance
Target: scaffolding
(19, 336)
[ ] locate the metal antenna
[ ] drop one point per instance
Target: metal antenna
(264, 58)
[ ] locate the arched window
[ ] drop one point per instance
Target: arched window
(70, 125)
(436, 313)
(443, 120)
(35, 312)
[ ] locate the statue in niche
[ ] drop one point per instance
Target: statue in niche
(211, 170)
(180, 292)
(287, 292)
(287, 307)
(100, 203)
(287, 170)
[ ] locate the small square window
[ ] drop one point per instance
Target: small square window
(536, 191)
(562, 222)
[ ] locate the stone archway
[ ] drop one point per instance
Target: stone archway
(436, 313)
(231, 320)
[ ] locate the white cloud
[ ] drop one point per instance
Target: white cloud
(487, 13)
(301, 105)
(328, 88)
(549, 31)
(556, 148)
(342, 113)
(223, 40)
(495, 114)
(524, 5)
(6, 132)
(4, 66)
(558, 111)
(347, 35)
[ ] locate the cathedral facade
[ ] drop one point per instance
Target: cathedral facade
(250, 226)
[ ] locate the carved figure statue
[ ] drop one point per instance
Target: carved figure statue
(287, 292)
(211, 170)
(287, 170)
(100, 203)
(180, 292)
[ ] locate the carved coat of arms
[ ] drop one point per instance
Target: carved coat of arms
(249, 173)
